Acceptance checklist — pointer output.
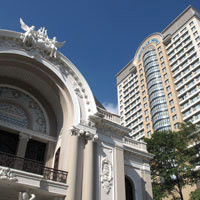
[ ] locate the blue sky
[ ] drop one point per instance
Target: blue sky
(101, 36)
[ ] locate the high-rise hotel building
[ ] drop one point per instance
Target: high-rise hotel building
(160, 86)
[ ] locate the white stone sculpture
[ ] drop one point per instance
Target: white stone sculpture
(39, 39)
(6, 174)
(26, 196)
(106, 175)
(29, 34)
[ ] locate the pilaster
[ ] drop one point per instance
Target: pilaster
(23, 141)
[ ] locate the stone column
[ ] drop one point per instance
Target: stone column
(88, 168)
(72, 175)
(119, 174)
(23, 141)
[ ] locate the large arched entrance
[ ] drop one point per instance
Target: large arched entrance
(129, 188)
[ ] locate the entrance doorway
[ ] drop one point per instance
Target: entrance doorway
(130, 189)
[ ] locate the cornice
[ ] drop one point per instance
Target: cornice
(100, 122)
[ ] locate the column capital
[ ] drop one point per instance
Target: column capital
(83, 133)
(24, 136)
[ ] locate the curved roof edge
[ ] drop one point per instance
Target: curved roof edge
(73, 70)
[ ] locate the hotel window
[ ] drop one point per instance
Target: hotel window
(143, 93)
(142, 81)
(160, 53)
(195, 33)
(176, 126)
(166, 82)
(164, 69)
(161, 59)
(173, 109)
(145, 105)
(144, 99)
(170, 95)
(140, 65)
(193, 28)
(171, 102)
(142, 87)
(163, 64)
(174, 38)
(159, 48)
(146, 112)
(183, 30)
(197, 39)
(141, 76)
(191, 23)
(165, 75)
(147, 119)
(140, 70)
(174, 117)
(148, 126)
(149, 133)
(168, 88)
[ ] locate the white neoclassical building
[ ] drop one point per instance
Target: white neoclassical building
(57, 142)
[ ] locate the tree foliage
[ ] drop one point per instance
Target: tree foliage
(195, 195)
(175, 157)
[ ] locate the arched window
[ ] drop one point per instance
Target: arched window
(20, 110)
(130, 189)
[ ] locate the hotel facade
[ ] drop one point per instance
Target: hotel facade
(160, 86)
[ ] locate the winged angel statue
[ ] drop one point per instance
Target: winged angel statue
(26, 196)
(40, 39)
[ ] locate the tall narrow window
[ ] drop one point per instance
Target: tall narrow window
(57, 157)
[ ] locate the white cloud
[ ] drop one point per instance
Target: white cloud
(111, 108)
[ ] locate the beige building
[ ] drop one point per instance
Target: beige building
(160, 86)
(56, 141)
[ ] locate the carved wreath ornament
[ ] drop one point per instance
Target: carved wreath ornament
(106, 175)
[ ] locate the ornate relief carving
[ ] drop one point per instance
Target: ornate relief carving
(106, 175)
(40, 40)
(7, 174)
(14, 105)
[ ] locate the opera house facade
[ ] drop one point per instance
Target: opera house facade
(57, 142)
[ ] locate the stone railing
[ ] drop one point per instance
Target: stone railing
(134, 144)
(32, 166)
(109, 116)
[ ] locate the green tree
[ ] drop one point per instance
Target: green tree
(192, 134)
(195, 195)
(170, 167)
